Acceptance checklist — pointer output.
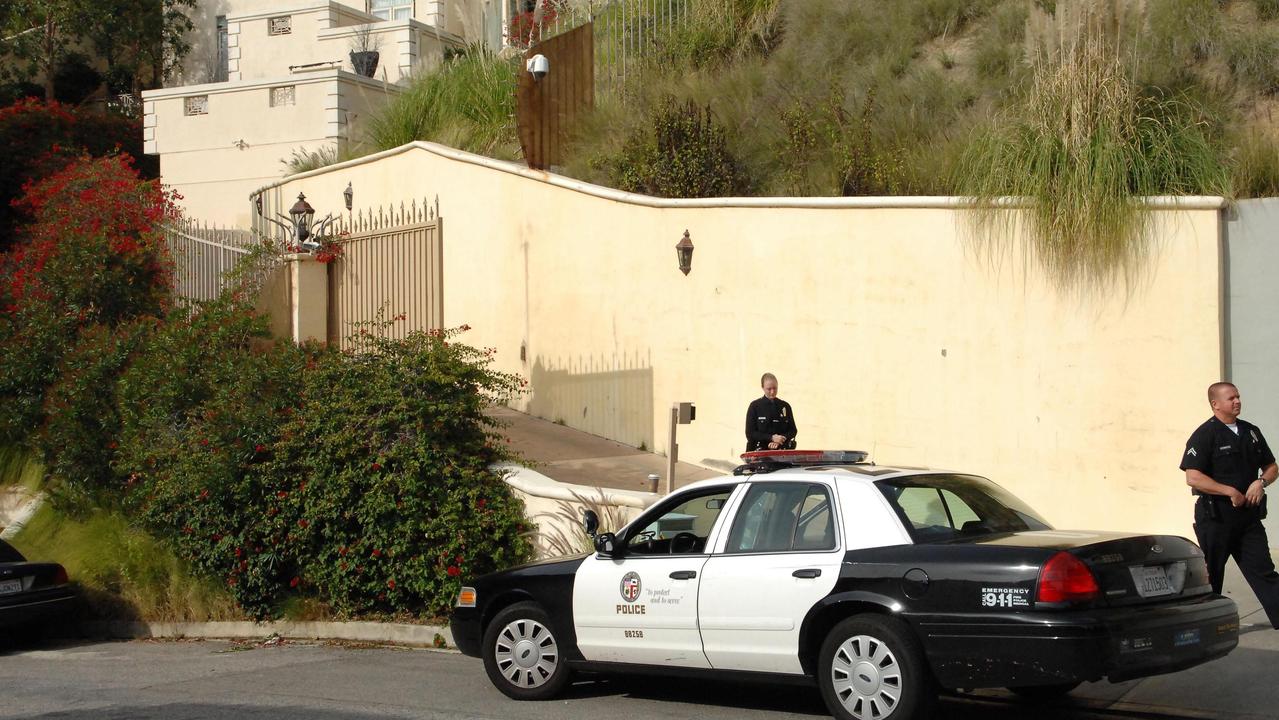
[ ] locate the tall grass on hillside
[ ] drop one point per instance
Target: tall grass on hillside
(466, 103)
(123, 573)
(1083, 147)
(18, 467)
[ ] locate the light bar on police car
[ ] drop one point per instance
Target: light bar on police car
(805, 457)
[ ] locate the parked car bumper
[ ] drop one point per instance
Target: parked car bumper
(1058, 648)
(465, 627)
(22, 609)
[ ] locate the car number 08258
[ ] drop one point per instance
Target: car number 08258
(635, 633)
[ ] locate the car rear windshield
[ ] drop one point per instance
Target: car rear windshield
(938, 508)
(9, 554)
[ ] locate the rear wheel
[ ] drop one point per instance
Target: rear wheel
(521, 654)
(872, 668)
(1043, 693)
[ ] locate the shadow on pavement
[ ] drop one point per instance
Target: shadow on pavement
(204, 711)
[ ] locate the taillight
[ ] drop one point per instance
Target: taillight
(60, 576)
(1065, 578)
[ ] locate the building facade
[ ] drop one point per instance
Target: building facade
(268, 81)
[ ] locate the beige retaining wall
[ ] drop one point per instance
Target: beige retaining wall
(887, 331)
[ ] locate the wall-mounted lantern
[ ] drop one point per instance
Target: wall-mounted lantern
(349, 196)
(301, 226)
(684, 253)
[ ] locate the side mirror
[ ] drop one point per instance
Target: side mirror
(591, 522)
(606, 544)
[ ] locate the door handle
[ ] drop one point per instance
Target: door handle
(683, 574)
(807, 573)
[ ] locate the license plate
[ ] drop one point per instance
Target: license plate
(8, 587)
(1151, 581)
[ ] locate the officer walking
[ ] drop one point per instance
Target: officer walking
(770, 422)
(1223, 459)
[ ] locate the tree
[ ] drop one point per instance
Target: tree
(141, 40)
(39, 34)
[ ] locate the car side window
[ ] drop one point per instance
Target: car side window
(679, 530)
(936, 513)
(783, 517)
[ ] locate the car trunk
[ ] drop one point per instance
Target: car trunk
(1130, 569)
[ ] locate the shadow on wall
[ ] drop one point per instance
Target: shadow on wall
(609, 397)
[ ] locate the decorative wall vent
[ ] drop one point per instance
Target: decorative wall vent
(283, 95)
(196, 105)
(282, 25)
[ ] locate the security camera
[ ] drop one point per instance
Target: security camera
(538, 66)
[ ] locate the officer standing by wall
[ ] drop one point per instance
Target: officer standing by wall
(1223, 459)
(770, 422)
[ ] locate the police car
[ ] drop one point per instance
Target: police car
(880, 585)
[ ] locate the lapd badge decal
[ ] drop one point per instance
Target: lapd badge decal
(630, 587)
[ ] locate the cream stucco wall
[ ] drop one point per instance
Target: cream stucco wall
(887, 332)
(214, 160)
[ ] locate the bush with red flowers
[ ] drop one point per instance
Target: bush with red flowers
(93, 253)
(39, 138)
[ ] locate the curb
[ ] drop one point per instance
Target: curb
(429, 636)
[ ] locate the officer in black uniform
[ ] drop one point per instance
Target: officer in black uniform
(770, 423)
(1222, 461)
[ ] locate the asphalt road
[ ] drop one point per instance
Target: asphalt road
(209, 680)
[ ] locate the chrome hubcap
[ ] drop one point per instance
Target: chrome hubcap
(866, 678)
(526, 653)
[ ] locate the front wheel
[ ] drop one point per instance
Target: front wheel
(522, 656)
(872, 668)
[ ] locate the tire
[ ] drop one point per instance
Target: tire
(1043, 693)
(522, 655)
(872, 667)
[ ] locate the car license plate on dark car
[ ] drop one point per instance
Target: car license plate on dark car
(1151, 581)
(8, 587)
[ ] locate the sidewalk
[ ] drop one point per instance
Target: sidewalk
(578, 458)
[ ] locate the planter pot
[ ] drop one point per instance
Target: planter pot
(365, 63)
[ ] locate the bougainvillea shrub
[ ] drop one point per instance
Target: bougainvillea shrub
(401, 500)
(92, 252)
(39, 138)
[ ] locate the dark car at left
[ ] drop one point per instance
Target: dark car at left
(32, 594)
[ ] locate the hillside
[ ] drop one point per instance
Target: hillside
(840, 97)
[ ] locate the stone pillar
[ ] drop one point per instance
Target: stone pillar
(308, 297)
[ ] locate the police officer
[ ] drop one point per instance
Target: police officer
(770, 423)
(1222, 461)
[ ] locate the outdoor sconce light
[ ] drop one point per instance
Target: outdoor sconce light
(684, 252)
(299, 225)
(348, 195)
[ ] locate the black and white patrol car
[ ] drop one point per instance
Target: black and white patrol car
(880, 585)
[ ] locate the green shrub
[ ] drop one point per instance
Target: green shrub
(78, 442)
(829, 151)
(401, 500)
(1267, 9)
(93, 253)
(684, 155)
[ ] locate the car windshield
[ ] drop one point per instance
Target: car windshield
(937, 508)
(8, 553)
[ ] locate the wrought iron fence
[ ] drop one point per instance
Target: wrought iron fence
(203, 255)
(626, 31)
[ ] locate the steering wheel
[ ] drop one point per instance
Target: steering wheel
(683, 542)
